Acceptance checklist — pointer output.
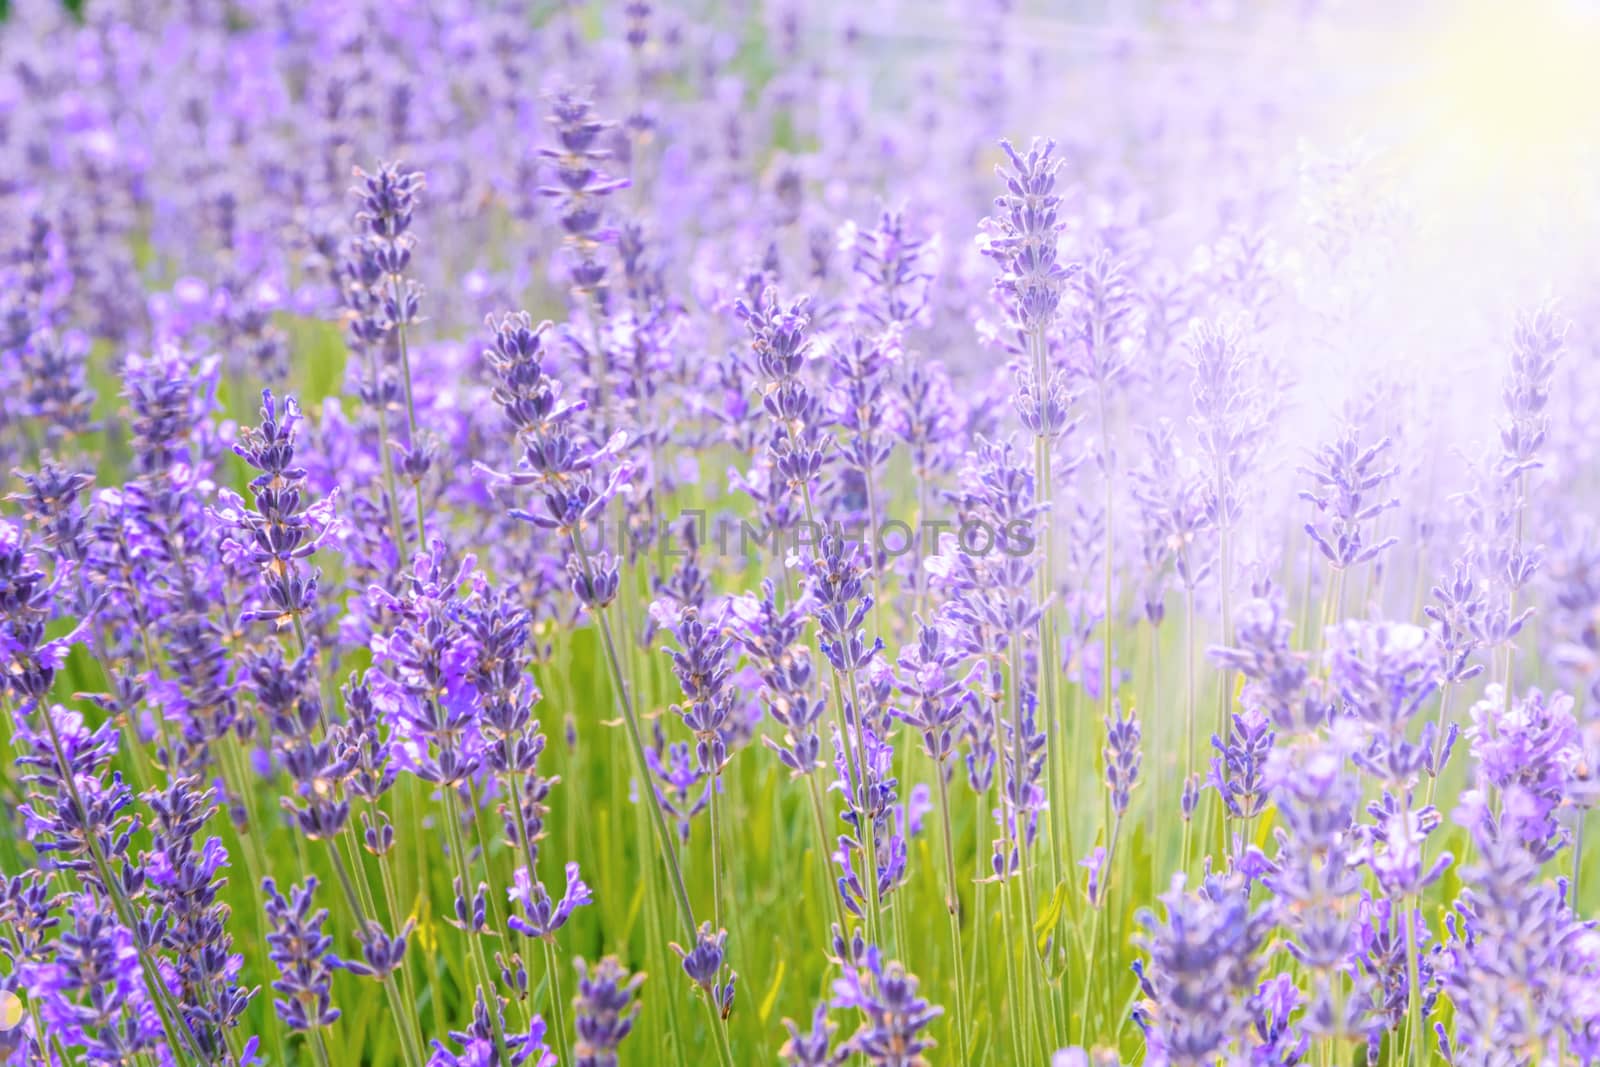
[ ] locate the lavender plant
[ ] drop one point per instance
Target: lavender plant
(820, 599)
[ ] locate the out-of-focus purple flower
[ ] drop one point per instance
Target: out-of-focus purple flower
(1519, 967)
(1022, 236)
(772, 638)
(894, 1016)
(813, 1047)
(480, 1045)
(1277, 1041)
(1168, 492)
(280, 531)
(93, 997)
(1348, 497)
(1530, 751)
(1394, 846)
(892, 264)
(1103, 322)
(1384, 672)
(703, 672)
(1380, 951)
(580, 185)
(1278, 680)
(186, 918)
(1537, 341)
(1095, 864)
(1458, 609)
(1203, 960)
(938, 698)
(605, 1011)
(1238, 771)
(1227, 420)
(1121, 757)
(1316, 870)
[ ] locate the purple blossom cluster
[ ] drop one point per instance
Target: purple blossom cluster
(368, 375)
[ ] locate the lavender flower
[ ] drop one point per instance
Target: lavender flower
(703, 964)
(1121, 757)
(581, 185)
(300, 949)
(1532, 751)
(813, 1047)
(605, 1011)
(1349, 482)
(894, 1016)
(1202, 964)
(544, 916)
(1536, 343)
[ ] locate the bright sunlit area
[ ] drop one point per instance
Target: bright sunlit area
(799, 533)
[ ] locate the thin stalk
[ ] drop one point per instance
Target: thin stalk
(680, 892)
(458, 854)
(1438, 733)
(855, 779)
(411, 405)
(1413, 991)
(396, 1005)
(249, 840)
(868, 830)
(1009, 946)
(825, 853)
(658, 821)
(391, 903)
(557, 1001)
(319, 1048)
(716, 852)
(871, 545)
(1059, 829)
(953, 906)
(1189, 716)
(1094, 953)
(1020, 839)
(1577, 862)
(387, 456)
(654, 950)
(495, 896)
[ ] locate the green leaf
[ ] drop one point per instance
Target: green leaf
(771, 998)
(1050, 917)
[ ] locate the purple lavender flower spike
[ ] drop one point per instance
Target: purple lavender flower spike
(299, 948)
(894, 1016)
(1537, 342)
(605, 1010)
(703, 964)
(544, 916)
(1121, 756)
(1349, 486)
(1203, 958)
(478, 1043)
(813, 1047)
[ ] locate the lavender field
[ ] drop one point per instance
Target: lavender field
(780, 532)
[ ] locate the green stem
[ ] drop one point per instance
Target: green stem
(319, 1049)
(396, 1005)
(411, 406)
(953, 906)
(557, 1017)
(458, 854)
(1413, 990)
(390, 493)
(825, 853)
